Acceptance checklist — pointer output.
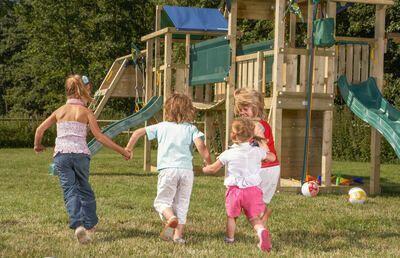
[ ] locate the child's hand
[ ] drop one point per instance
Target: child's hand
(127, 154)
(39, 148)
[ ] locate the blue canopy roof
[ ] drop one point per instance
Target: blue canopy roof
(201, 19)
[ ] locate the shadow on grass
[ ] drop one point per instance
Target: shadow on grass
(138, 174)
(328, 241)
(124, 233)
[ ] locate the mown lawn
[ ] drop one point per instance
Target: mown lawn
(34, 222)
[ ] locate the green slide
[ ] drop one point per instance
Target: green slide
(148, 111)
(366, 101)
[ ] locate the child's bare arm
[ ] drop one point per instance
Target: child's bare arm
(103, 139)
(270, 156)
(213, 168)
(46, 124)
(202, 148)
(135, 137)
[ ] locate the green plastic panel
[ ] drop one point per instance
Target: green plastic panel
(259, 46)
(209, 61)
(366, 101)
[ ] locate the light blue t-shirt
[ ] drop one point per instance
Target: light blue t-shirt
(175, 143)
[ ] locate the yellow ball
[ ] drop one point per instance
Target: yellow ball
(357, 195)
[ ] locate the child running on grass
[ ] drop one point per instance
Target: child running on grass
(72, 156)
(243, 180)
(175, 138)
(250, 103)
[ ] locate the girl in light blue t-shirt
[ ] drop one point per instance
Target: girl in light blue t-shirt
(175, 138)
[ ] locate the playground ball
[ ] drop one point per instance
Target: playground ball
(357, 195)
(310, 189)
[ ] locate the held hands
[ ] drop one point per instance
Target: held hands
(127, 154)
(39, 148)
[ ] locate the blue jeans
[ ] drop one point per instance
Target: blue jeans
(79, 199)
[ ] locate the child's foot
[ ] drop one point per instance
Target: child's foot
(266, 215)
(265, 240)
(168, 232)
(90, 233)
(179, 240)
(228, 240)
(81, 235)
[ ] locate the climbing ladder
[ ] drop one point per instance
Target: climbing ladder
(119, 82)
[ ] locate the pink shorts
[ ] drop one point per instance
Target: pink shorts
(249, 199)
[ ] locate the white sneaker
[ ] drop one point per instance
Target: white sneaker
(80, 233)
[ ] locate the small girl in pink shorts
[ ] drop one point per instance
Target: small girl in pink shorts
(243, 180)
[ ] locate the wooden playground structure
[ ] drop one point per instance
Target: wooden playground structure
(279, 70)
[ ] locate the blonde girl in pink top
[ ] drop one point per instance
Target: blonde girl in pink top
(72, 155)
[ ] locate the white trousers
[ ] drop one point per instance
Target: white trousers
(174, 188)
(270, 177)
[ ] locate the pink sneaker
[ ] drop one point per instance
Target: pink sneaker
(265, 240)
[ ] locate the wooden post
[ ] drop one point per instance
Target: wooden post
(157, 59)
(188, 89)
(326, 166)
(259, 71)
(149, 93)
(230, 88)
(374, 184)
(277, 79)
(167, 68)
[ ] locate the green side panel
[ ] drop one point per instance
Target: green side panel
(259, 46)
(166, 22)
(268, 68)
(366, 101)
(209, 61)
(148, 111)
(255, 47)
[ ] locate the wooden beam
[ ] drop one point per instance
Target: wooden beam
(229, 100)
(254, 56)
(172, 30)
(167, 68)
(370, 41)
(149, 93)
(378, 74)
(326, 162)
(376, 2)
(277, 71)
(304, 51)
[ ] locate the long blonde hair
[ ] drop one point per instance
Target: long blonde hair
(74, 87)
(179, 108)
(249, 98)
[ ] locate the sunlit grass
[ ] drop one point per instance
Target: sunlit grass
(34, 222)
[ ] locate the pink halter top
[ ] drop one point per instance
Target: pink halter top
(71, 135)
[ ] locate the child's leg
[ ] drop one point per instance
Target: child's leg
(263, 234)
(270, 177)
(166, 189)
(182, 200)
(230, 228)
(86, 194)
(69, 184)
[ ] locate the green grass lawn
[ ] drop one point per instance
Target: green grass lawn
(34, 222)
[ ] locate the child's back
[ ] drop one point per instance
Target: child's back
(244, 164)
(175, 143)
